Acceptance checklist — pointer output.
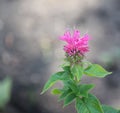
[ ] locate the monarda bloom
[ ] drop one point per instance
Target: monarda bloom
(76, 45)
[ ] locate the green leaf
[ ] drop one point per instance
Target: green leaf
(66, 68)
(56, 91)
(66, 63)
(77, 70)
(69, 99)
(73, 86)
(81, 89)
(81, 106)
(5, 92)
(108, 109)
(53, 79)
(96, 70)
(64, 94)
(88, 105)
(84, 89)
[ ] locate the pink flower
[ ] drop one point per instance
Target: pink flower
(76, 45)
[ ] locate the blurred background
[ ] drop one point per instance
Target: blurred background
(30, 50)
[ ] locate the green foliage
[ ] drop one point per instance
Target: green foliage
(77, 71)
(68, 71)
(56, 91)
(73, 86)
(96, 70)
(66, 68)
(80, 89)
(69, 99)
(53, 79)
(108, 109)
(83, 89)
(88, 105)
(5, 92)
(65, 93)
(73, 90)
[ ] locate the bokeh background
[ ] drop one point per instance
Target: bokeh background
(30, 50)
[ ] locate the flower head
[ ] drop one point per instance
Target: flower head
(76, 45)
